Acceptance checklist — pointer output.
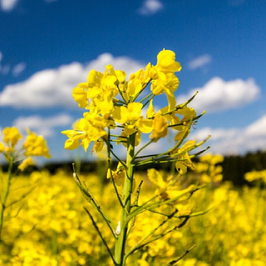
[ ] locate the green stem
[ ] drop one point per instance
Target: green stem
(89, 197)
(148, 100)
(6, 193)
(144, 86)
(100, 234)
(142, 148)
(120, 92)
(127, 192)
(109, 167)
(147, 207)
(145, 98)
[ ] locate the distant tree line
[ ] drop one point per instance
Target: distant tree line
(234, 167)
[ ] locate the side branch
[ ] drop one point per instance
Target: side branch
(100, 234)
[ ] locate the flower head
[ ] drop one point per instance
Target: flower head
(11, 136)
(166, 62)
(35, 145)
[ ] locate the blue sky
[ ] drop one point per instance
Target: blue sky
(48, 46)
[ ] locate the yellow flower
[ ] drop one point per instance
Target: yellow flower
(11, 136)
(2, 147)
(167, 83)
(183, 158)
(121, 76)
(117, 175)
(100, 149)
(87, 129)
(150, 111)
(181, 167)
(131, 113)
(80, 94)
(25, 163)
(166, 62)
(36, 145)
(188, 114)
(255, 175)
(144, 125)
(210, 172)
(160, 128)
(212, 159)
(166, 187)
(70, 144)
(134, 87)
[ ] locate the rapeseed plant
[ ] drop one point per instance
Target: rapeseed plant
(33, 146)
(113, 103)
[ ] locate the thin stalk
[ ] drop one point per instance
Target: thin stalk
(169, 151)
(120, 243)
(117, 136)
(135, 204)
(118, 159)
(169, 159)
(157, 158)
(173, 262)
(186, 121)
(142, 148)
(192, 214)
(120, 92)
(159, 236)
(148, 101)
(159, 203)
(109, 167)
(145, 85)
(139, 245)
(89, 197)
(181, 105)
(100, 234)
(6, 193)
(146, 97)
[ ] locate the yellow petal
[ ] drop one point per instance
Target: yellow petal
(180, 167)
(145, 125)
(120, 114)
(25, 163)
(150, 111)
(71, 144)
(134, 111)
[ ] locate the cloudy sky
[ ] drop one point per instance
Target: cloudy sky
(48, 46)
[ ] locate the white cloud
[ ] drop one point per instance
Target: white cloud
(150, 7)
(53, 87)
(42, 126)
(199, 61)
(235, 140)
(257, 128)
(18, 69)
(8, 5)
(218, 95)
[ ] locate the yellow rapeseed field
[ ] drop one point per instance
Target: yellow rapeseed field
(50, 227)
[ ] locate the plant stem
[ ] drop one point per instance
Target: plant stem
(127, 191)
(6, 192)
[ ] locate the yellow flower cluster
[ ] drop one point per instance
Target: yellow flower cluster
(33, 146)
(256, 175)
(111, 101)
(52, 228)
(209, 168)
